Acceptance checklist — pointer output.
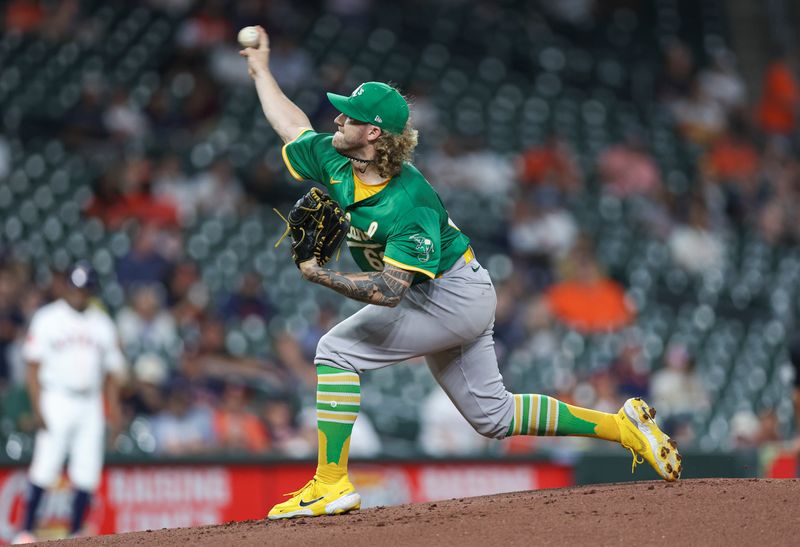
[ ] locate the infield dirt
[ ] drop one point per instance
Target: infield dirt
(690, 512)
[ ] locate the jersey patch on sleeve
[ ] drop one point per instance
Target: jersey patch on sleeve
(424, 247)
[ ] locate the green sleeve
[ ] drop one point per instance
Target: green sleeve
(308, 156)
(416, 244)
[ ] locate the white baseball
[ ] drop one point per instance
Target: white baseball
(248, 37)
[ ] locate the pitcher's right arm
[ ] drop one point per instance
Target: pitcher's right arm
(283, 115)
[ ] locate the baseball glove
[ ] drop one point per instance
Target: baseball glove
(317, 226)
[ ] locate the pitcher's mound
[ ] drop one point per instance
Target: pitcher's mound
(690, 512)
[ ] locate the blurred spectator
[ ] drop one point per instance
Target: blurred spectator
(628, 168)
(140, 201)
(190, 311)
(653, 212)
(218, 190)
(124, 192)
(249, 299)
(290, 64)
(605, 391)
(426, 117)
(11, 321)
(631, 371)
(677, 391)
(23, 15)
(327, 317)
(266, 184)
(164, 114)
(675, 81)
(182, 278)
(733, 157)
(62, 20)
(224, 65)
(778, 107)
(284, 434)
(213, 359)
(541, 227)
(694, 246)
(354, 14)
(143, 264)
(31, 299)
(144, 325)
(200, 107)
(553, 163)
(172, 184)
(463, 163)
(722, 82)
(85, 121)
(750, 431)
(699, 117)
(143, 395)
(542, 340)
(509, 329)
(122, 119)
(108, 202)
(183, 427)
(365, 441)
(443, 430)
(236, 427)
(174, 7)
(207, 27)
(773, 223)
(586, 300)
(290, 354)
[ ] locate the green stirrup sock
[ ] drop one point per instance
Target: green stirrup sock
(338, 402)
(542, 415)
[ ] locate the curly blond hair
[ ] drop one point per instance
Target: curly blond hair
(392, 150)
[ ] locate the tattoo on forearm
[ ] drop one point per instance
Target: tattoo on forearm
(385, 288)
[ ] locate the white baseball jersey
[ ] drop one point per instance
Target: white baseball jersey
(74, 349)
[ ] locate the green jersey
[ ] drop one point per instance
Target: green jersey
(405, 224)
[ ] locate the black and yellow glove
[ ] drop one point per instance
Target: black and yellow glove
(317, 226)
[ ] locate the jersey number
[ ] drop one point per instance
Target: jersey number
(374, 258)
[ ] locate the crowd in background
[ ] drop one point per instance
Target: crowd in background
(186, 393)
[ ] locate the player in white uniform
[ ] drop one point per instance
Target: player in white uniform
(73, 357)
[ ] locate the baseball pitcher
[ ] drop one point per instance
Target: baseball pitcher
(72, 355)
(427, 293)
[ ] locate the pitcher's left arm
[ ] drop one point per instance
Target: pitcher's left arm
(384, 288)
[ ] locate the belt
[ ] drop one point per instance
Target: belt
(468, 256)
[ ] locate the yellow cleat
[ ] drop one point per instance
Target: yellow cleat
(640, 434)
(317, 498)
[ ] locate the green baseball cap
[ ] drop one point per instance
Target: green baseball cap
(376, 103)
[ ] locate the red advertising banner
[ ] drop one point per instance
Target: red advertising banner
(145, 497)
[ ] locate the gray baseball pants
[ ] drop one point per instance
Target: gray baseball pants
(449, 321)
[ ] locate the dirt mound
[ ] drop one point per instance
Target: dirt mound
(690, 512)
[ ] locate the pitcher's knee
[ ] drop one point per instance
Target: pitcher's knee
(327, 353)
(324, 349)
(489, 428)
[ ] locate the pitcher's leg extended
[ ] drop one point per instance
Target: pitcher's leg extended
(330, 492)
(470, 376)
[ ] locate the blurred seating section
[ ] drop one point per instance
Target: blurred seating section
(492, 81)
